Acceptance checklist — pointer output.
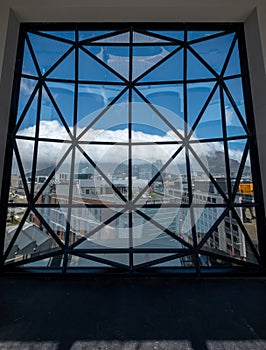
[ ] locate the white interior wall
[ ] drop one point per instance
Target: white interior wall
(252, 12)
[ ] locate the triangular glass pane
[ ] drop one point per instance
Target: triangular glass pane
(146, 38)
(197, 95)
(210, 261)
(235, 149)
(122, 259)
(206, 217)
(112, 126)
(92, 34)
(155, 123)
(171, 69)
(144, 57)
(147, 165)
(171, 34)
(91, 70)
(196, 69)
(177, 220)
(92, 99)
(66, 69)
(113, 235)
(26, 89)
(54, 262)
(54, 217)
(233, 66)
(75, 261)
(167, 96)
(228, 240)
(236, 90)
(119, 38)
(210, 124)
(212, 157)
(112, 170)
(47, 51)
(193, 35)
(51, 126)
(234, 126)
(143, 258)
(185, 261)
(28, 64)
(116, 57)
(25, 148)
(60, 182)
(69, 35)
(245, 187)
(214, 51)
(32, 241)
(28, 125)
(63, 94)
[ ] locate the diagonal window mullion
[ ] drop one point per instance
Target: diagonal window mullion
(60, 60)
(153, 263)
(209, 174)
(26, 108)
(95, 166)
(164, 229)
(170, 160)
(246, 234)
(100, 260)
(240, 170)
(21, 169)
(35, 61)
(231, 99)
(57, 110)
(87, 42)
(231, 49)
(213, 227)
(156, 65)
(206, 104)
(48, 228)
(33, 259)
(16, 234)
(106, 109)
(160, 115)
(159, 36)
(96, 229)
(203, 61)
(50, 177)
(103, 64)
(51, 36)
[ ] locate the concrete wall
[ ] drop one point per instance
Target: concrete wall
(252, 12)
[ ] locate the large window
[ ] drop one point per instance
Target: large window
(131, 148)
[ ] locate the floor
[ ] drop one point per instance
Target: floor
(132, 313)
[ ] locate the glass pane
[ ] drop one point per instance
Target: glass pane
(193, 35)
(92, 70)
(28, 124)
(118, 38)
(236, 91)
(105, 124)
(196, 69)
(33, 240)
(63, 96)
(210, 124)
(76, 261)
(197, 95)
(143, 258)
(171, 34)
(28, 64)
(47, 51)
(229, 240)
(206, 217)
(233, 66)
(69, 35)
(214, 51)
(66, 69)
(92, 34)
(91, 232)
(170, 70)
(147, 235)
